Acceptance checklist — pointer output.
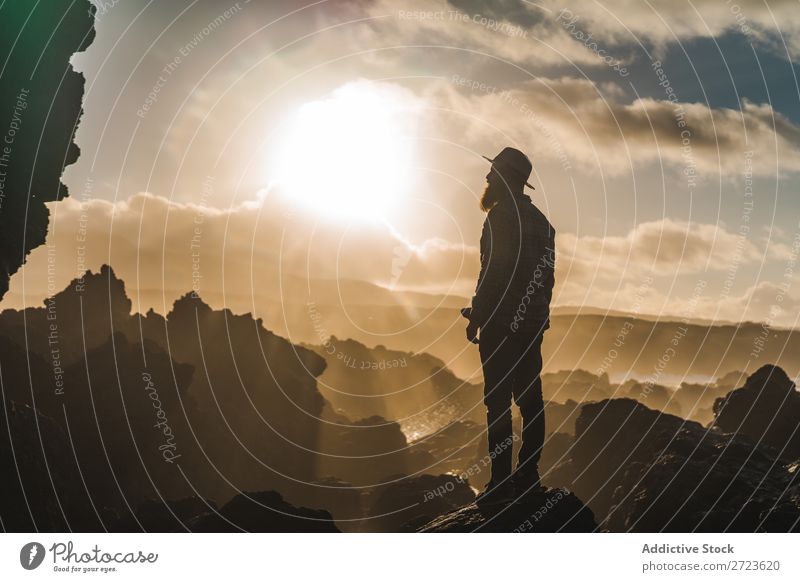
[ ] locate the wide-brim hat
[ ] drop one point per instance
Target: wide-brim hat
(514, 160)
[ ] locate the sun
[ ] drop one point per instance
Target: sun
(351, 155)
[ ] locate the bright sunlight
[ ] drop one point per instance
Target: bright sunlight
(350, 156)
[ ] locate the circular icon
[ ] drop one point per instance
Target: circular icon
(31, 555)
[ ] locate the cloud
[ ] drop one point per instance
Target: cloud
(261, 255)
(663, 246)
(506, 32)
(586, 123)
(620, 21)
(535, 34)
(237, 257)
(674, 269)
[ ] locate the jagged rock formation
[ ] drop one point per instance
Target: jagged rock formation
(641, 470)
(416, 390)
(578, 385)
(766, 408)
(551, 510)
(263, 512)
(239, 404)
(40, 106)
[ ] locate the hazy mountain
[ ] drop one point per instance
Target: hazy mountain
(620, 346)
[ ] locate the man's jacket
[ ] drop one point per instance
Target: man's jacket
(515, 284)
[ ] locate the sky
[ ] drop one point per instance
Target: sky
(227, 147)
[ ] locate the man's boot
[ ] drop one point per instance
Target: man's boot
(500, 487)
(496, 492)
(527, 481)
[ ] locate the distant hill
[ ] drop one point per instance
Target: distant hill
(573, 310)
(310, 311)
(589, 342)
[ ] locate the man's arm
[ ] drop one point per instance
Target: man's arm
(497, 266)
(477, 315)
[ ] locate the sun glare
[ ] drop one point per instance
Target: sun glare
(350, 156)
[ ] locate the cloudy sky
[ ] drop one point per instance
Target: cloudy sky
(228, 145)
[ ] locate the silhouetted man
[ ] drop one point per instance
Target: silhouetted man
(511, 308)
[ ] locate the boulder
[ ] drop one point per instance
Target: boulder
(645, 471)
(766, 408)
(550, 510)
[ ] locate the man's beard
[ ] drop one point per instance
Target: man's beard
(491, 196)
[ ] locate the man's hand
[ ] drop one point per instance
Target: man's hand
(472, 332)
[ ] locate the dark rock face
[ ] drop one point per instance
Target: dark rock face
(641, 470)
(40, 106)
(39, 490)
(264, 512)
(340, 498)
(766, 409)
(161, 516)
(551, 510)
(41, 487)
(106, 420)
(223, 380)
(251, 380)
(729, 486)
(409, 502)
(146, 411)
(784, 516)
